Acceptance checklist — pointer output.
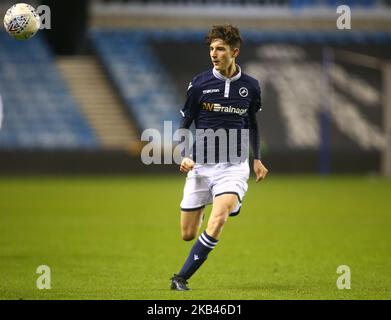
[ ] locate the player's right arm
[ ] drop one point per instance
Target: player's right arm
(189, 113)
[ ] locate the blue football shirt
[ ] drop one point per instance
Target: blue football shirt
(217, 102)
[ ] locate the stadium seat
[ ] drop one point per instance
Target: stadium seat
(39, 112)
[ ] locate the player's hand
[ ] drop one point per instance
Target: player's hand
(186, 165)
(259, 170)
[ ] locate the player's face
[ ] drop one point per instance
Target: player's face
(222, 56)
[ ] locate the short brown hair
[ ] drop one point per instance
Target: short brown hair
(228, 33)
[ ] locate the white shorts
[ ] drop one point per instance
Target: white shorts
(206, 181)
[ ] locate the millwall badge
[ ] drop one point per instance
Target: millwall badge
(243, 92)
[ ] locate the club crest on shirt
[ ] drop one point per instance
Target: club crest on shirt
(243, 92)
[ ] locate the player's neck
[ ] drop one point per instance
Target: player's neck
(231, 71)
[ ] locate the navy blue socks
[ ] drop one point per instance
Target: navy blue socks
(198, 255)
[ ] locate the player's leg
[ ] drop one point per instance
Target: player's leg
(223, 205)
(229, 187)
(190, 223)
(196, 195)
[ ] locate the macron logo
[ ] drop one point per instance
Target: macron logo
(196, 257)
(210, 91)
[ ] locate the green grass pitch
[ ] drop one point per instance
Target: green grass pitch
(118, 238)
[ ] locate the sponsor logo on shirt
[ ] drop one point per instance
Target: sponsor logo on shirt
(216, 107)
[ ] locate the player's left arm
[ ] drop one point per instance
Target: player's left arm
(259, 168)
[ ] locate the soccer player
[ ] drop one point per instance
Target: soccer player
(220, 98)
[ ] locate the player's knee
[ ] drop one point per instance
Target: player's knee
(188, 235)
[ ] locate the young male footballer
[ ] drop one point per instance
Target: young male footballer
(220, 98)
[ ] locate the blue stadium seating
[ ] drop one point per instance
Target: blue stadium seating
(39, 112)
(138, 76)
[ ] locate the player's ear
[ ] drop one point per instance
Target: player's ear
(236, 52)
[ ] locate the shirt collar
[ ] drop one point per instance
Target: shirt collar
(218, 75)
